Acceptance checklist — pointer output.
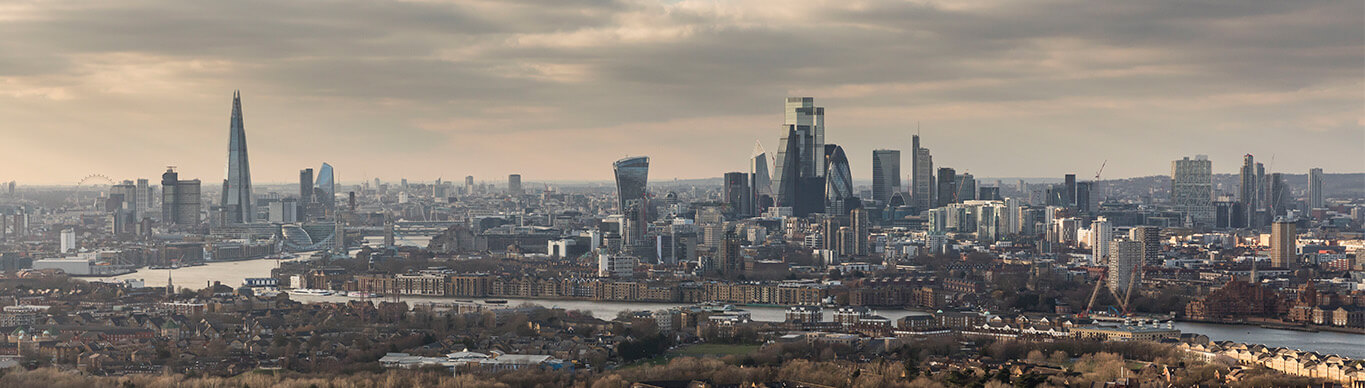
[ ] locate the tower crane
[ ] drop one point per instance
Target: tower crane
(1132, 282)
(1096, 183)
(1095, 293)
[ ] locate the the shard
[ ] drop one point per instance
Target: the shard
(237, 199)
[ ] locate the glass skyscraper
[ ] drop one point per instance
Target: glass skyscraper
(760, 180)
(886, 175)
(327, 189)
(737, 194)
(922, 176)
(800, 169)
(632, 178)
(1315, 198)
(1249, 193)
(237, 199)
(838, 182)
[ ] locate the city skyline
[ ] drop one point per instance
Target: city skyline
(503, 80)
(545, 193)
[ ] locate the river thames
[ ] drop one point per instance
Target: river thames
(232, 274)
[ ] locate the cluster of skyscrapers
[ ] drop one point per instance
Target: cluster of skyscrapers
(809, 176)
(1260, 199)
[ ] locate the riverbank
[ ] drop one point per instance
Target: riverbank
(229, 273)
(233, 273)
(1280, 325)
(1325, 342)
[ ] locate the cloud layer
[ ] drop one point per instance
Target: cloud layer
(557, 89)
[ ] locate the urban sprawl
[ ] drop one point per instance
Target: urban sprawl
(785, 273)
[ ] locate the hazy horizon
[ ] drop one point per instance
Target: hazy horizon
(557, 90)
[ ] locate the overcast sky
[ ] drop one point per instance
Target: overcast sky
(558, 89)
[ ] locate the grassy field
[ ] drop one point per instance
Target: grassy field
(699, 350)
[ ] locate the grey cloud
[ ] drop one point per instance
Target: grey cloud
(453, 61)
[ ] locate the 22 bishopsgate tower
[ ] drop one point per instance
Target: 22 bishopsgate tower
(800, 169)
(237, 201)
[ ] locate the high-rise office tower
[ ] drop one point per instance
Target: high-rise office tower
(802, 112)
(1150, 237)
(1228, 214)
(966, 187)
(469, 185)
(237, 200)
(799, 179)
(179, 200)
(845, 241)
(922, 178)
(989, 193)
(1192, 189)
(787, 170)
(1011, 220)
(1069, 190)
(514, 184)
(1262, 196)
(132, 198)
(1283, 245)
(1085, 197)
(1278, 201)
(987, 222)
(728, 261)
(760, 180)
(947, 187)
(438, 190)
(305, 192)
(1125, 265)
(886, 175)
(839, 197)
(861, 227)
(1315, 198)
(829, 231)
(737, 194)
(1249, 193)
(326, 194)
(144, 198)
(1101, 234)
(632, 179)
(283, 211)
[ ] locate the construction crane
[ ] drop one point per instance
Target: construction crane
(1095, 293)
(1123, 300)
(1132, 283)
(1096, 183)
